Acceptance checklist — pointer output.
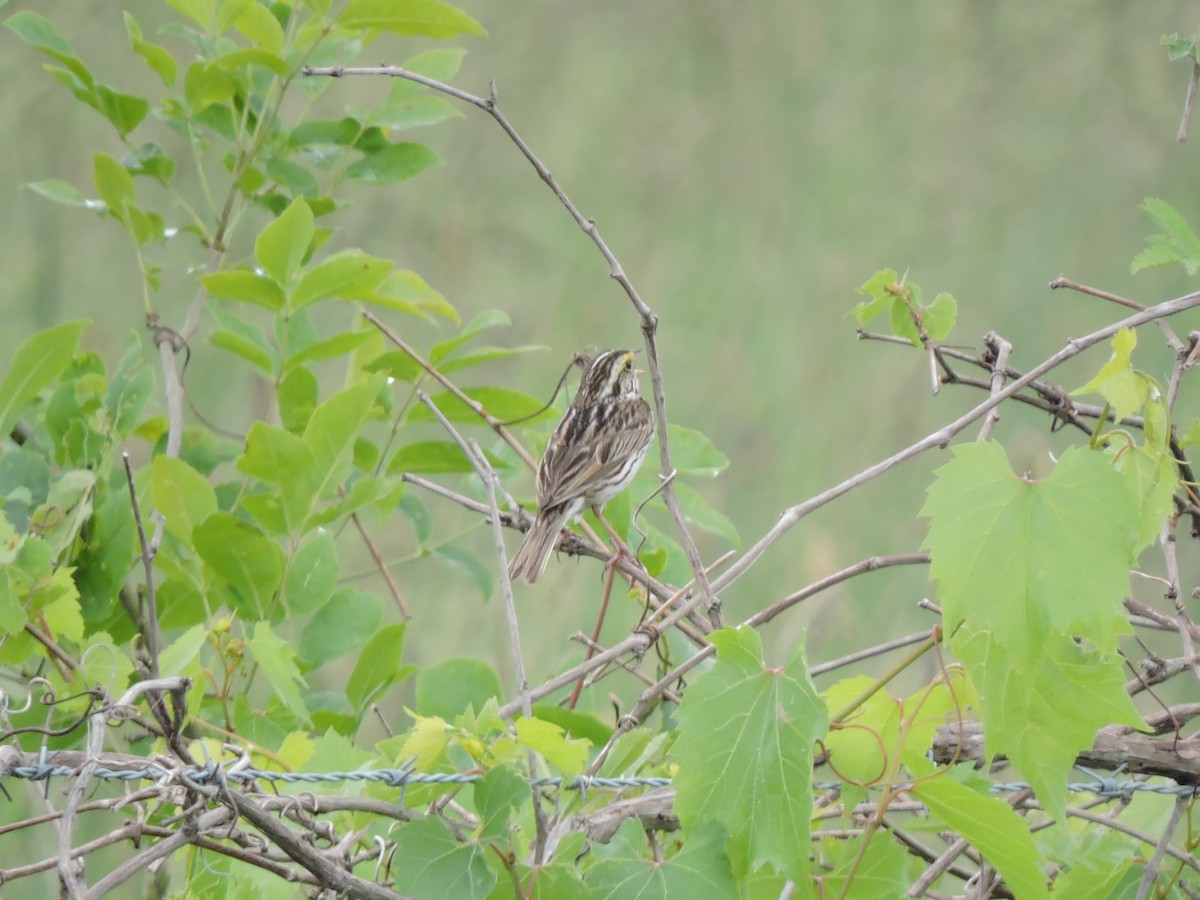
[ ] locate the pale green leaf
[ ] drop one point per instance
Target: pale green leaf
(431, 18)
(283, 244)
(35, 365)
(181, 494)
(277, 663)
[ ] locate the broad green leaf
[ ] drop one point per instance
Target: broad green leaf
(277, 662)
(378, 666)
(285, 460)
(1021, 558)
(341, 626)
(282, 245)
(466, 563)
(626, 868)
(502, 403)
(499, 794)
(115, 185)
(692, 453)
(877, 288)
(246, 286)
(393, 163)
(438, 865)
(1125, 388)
(297, 399)
(331, 431)
(243, 555)
(697, 511)
(202, 12)
(37, 363)
(41, 33)
(1097, 865)
(261, 27)
(62, 192)
(448, 687)
(247, 349)
(1151, 479)
(938, 317)
(338, 345)
(350, 275)
(181, 494)
(882, 869)
(991, 826)
(161, 62)
(312, 575)
(489, 318)
(407, 292)
(863, 743)
(180, 652)
(576, 724)
(106, 552)
(129, 390)
(412, 112)
(431, 18)
(441, 64)
(745, 752)
(433, 457)
(568, 755)
(1024, 568)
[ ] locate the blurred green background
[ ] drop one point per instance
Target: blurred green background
(750, 166)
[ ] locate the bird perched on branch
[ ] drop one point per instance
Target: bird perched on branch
(592, 456)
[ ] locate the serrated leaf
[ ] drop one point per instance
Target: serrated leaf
(431, 18)
(745, 751)
(1177, 244)
(439, 865)
(938, 317)
(277, 662)
(426, 741)
(625, 868)
(35, 365)
(566, 754)
(1125, 388)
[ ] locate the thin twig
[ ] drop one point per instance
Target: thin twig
(943, 435)
(377, 557)
(150, 623)
(1000, 350)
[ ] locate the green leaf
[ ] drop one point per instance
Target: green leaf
(697, 511)
(439, 865)
(62, 192)
(277, 662)
(431, 18)
(40, 33)
(246, 286)
(243, 555)
(876, 287)
(378, 666)
(448, 687)
(312, 575)
(694, 454)
(407, 292)
(282, 245)
(1023, 567)
(433, 457)
(338, 345)
(568, 755)
(624, 866)
(745, 752)
(1178, 244)
(350, 275)
(247, 349)
(499, 794)
(161, 62)
(283, 459)
(1125, 388)
(181, 494)
(331, 431)
(582, 725)
(261, 27)
(341, 626)
(991, 826)
(502, 403)
(178, 654)
(938, 317)
(489, 318)
(297, 398)
(37, 363)
(466, 563)
(393, 163)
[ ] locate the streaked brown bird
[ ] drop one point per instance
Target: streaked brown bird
(592, 456)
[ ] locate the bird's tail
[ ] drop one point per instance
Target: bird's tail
(530, 560)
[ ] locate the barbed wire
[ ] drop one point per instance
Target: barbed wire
(214, 774)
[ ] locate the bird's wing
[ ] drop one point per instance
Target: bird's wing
(573, 465)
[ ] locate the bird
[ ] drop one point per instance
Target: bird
(591, 457)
